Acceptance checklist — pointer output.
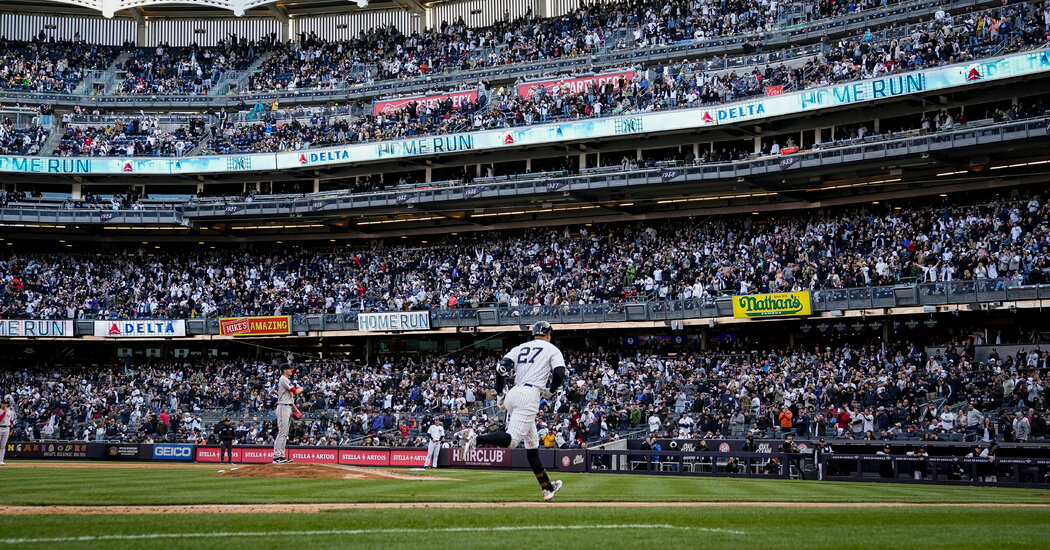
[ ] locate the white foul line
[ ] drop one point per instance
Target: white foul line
(395, 531)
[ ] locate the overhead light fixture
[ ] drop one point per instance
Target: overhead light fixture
(362, 3)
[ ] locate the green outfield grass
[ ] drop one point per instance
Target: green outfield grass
(140, 486)
(571, 528)
(605, 527)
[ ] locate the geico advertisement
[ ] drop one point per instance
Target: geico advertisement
(165, 451)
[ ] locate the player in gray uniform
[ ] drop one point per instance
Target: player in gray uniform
(532, 362)
(7, 418)
(286, 393)
(435, 434)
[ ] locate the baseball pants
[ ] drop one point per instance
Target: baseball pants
(226, 449)
(284, 422)
(433, 451)
(523, 404)
(4, 434)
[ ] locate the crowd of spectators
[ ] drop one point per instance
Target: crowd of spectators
(21, 140)
(191, 70)
(44, 65)
(850, 391)
(139, 136)
(1004, 243)
(388, 54)
(660, 86)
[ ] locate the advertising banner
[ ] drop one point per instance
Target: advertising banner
(571, 461)
(771, 305)
(575, 86)
(408, 458)
(34, 328)
(278, 325)
(210, 453)
(319, 455)
(141, 329)
(122, 452)
(394, 321)
(390, 106)
(170, 451)
(480, 457)
(364, 458)
(47, 450)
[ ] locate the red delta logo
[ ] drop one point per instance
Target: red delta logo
(707, 118)
(127, 167)
(302, 159)
(508, 139)
(114, 330)
(974, 74)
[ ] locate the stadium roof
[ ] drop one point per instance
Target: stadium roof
(197, 8)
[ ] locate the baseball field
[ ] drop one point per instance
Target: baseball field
(110, 505)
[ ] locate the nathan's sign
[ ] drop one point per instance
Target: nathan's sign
(771, 305)
(278, 325)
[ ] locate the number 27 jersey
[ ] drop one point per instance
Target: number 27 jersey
(534, 361)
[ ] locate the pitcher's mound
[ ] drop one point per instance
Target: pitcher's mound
(298, 470)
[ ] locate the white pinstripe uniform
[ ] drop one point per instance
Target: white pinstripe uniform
(533, 363)
(7, 419)
(434, 434)
(285, 399)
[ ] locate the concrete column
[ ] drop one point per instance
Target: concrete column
(638, 154)
(429, 175)
(696, 150)
(477, 171)
(200, 187)
(317, 185)
(528, 165)
(875, 126)
(77, 192)
(542, 8)
(886, 331)
(583, 160)
(758, 144)
(289, 30)
(141, 33)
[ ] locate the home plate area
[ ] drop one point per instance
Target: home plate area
(322, 471)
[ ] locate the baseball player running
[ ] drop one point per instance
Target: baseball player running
(7, 417)
(532, 363)
(286, 393)
(435, 434)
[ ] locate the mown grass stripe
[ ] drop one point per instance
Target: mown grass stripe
(342, 532)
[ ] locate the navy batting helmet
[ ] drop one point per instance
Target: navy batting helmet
(541, 328)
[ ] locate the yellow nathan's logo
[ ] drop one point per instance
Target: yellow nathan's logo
(771, 305)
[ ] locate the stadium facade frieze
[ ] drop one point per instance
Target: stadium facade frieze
(1017, 65)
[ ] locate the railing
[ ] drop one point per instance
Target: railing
(845, 152)
(984, 291)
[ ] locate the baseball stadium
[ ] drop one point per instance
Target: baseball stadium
(524, 273)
